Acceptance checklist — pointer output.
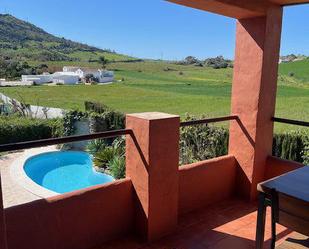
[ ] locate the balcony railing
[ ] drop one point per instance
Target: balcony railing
(290, 121)
(208, 121)
(117, 133)
(62, 140)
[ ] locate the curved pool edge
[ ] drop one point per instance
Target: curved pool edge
(19, 175)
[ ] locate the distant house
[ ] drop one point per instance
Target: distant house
(103, 76)
(37, 79)
(65, 78)
(70, 76)
(68, 69)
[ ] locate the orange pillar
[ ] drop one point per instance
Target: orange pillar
(152, 155)
(254, 96)
(3, 243)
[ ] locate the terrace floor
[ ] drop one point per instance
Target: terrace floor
(13, 193)
(227, 225)
(12, 190)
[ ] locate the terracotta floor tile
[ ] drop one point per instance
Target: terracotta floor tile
(227, 225)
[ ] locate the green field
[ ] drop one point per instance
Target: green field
(160, 86)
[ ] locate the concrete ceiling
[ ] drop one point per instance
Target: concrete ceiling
(237, 8)
(289, 2)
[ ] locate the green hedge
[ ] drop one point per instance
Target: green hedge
(203, 142)
(107, 121)
(96, 107)
(103, 118)
(17, 129)
(292, 145)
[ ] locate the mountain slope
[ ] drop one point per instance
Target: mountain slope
(22, 40)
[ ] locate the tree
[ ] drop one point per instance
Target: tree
(191, 60)
(89, 78)
(103, 61)
(218, 62)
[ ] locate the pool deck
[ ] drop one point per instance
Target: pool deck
(13, 193)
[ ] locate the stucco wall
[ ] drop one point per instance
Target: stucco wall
(206, 182)
(276, 166)
(83, 219)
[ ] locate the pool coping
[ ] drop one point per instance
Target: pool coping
(19, 175)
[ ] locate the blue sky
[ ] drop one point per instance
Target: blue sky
(150, 28)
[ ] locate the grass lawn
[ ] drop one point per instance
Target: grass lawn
(159, 86)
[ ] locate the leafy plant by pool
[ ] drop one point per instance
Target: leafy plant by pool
(110, 158)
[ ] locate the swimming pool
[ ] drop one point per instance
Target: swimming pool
(63, 172)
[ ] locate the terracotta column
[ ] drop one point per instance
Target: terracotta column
(254, 96)
(152, 155)
(3, 243)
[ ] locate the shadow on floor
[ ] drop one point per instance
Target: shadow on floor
(227, 225)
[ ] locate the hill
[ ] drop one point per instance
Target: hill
(23, 41)
(297, 69)
(166, 87)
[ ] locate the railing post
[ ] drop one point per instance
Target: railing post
(152, 156)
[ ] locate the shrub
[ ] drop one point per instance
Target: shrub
(109, 120)
(109, 158)
(291, 74)
(201, 142)
(218, 62)
(118, 167)
(95, 107)
(95, 146)
(69, 119)
(15, 129)
(189, 60)
(89, 78)
(306, 152)
(103, 157)
(103, 118)
(292, 145)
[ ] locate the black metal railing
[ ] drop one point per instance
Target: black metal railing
(208, 121)
(106, 134)
(62, 140)
(290, 121)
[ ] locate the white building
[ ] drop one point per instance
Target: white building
(37, 79)
(70, 76)
(65, 78)
(103, 76)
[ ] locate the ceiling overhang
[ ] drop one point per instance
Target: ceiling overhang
(238, 9)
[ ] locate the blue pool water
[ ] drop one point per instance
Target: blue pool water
(64, 172)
